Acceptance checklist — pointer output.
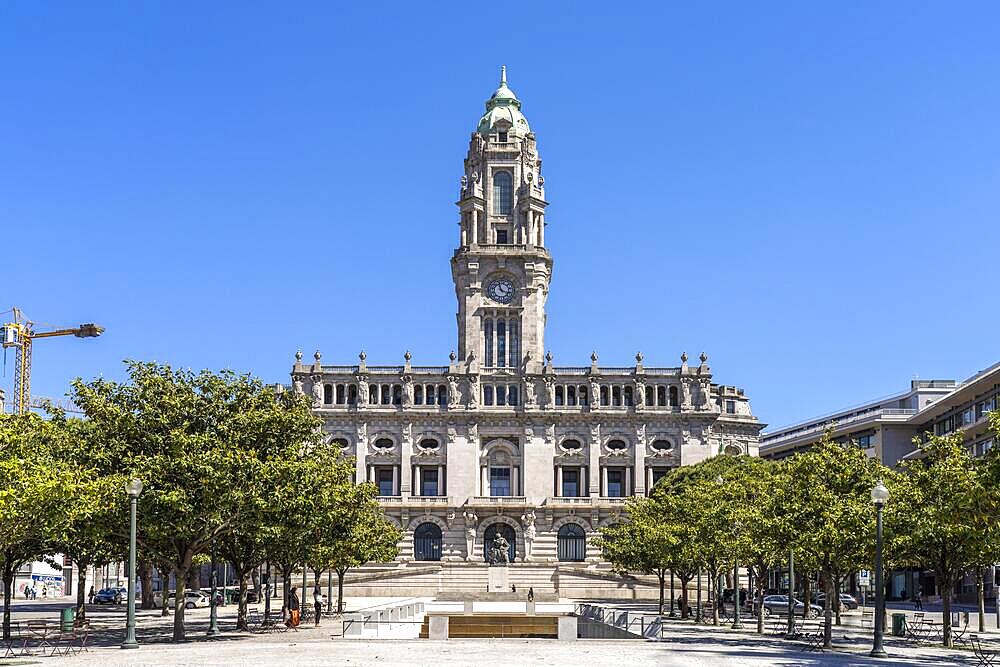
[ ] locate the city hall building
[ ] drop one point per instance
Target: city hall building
(499, 440)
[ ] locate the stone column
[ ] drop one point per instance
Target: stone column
(604, 481)
(559, 481)
(485, 473)
(440, 484)
(406, 484)
(395, 479)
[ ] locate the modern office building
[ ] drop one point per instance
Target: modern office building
(500, 440)
(886, 429)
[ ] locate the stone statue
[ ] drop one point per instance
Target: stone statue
(640, 396)
(685, 392)
(297, 385)
(529, 391)
(500, 551)
(550, 391)
(595, 395)
(407, 390)
(470, 533)
(317, 390)
(528, 519)
(454, 395)
(362, 391)
(473, 391)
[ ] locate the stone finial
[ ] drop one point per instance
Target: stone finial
(363, 355)
(503, 75)
(638, 357)
(452, 356)
(684, 357)
(298, 356)
(548, 357)
(703, 357)
(407, 355)
(593, 357)
(316, 356)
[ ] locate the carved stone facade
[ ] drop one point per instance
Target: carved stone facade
(501, 439)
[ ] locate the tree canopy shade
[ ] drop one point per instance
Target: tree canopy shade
(41, 495)
(200, 442)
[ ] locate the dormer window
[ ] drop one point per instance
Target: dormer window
(502, 137)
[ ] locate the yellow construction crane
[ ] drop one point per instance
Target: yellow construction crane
(20, 333)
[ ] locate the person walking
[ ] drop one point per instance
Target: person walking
(531, 593)
(317, 602)
(293, 608)
(90, 596)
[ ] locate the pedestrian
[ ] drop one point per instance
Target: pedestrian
(531, 593)
(293, 608)
(513, 588)
(317, 602)
(918, 603)
(27, 592)
(90, 596)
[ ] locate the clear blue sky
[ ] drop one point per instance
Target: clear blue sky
(809, 192)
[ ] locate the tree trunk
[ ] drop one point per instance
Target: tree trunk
(286, 579)
(81, 590)
(180, 600)
(340, 592)
(837, 580)
(946, 588)
(685, 607)
(806, 594)
(146, 577)
(8, 590)
(165, 585)
(759, 588)
(241, 614)
(981, 599)
(662, 577)
(827, 610)
(718, 597)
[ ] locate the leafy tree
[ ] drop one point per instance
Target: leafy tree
(39, 494)
(833, 513)
(644, 541)
(953, 513)
(195, 440)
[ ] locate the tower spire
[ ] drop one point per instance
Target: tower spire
(503, 75)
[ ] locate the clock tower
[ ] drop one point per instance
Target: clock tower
(501, 268)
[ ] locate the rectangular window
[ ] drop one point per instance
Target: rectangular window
(659, 473)
(428, 481)
(502, 137)
(383, 477)
(866, 441)
(501, 343)
(515, 345)
(501, 395)
(487, 394)
(616, 483)
(501, 237)
(730, 407)
(488, 343)
(511, 395)
(571, 482)
(499, 481)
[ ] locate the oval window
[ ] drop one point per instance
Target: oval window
(571, 445)
(662, 445)
(429, 443)
(617, 445)
(384, 443)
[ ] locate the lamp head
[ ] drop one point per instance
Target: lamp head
(880, 494)
(134, 488)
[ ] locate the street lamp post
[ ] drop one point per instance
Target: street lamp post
(213, 625)
(133, 488)
(737, 621)
(880, 495)
(672, 614)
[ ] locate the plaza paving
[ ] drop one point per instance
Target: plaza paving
(683, 644)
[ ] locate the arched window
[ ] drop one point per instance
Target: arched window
(616, 395)
(442, 395)
(661, 396)
(559, 395)
(582, 392)
(674, 401)
(604, 394)
(328, 394)
(397, 395)
(430, 394)
(341, 394)
(488, 343)
(427, 542)
(503, 192)
(649, 395)
(570, 395)
(352, 394)
(373, 394)
(418, 394)
(508, 534)
(627, 395)
(572, 543)
(385, 394)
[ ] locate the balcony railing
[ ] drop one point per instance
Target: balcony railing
(569, 500)
(498, 500)
(390, 500)
(873, 415)
(431, 500)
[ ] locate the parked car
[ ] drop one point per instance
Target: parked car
(192, 599)
(778, 604)
(847, 601)
(110, 596)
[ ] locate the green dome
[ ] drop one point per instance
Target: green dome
(503, 105)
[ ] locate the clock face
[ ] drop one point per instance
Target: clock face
(501, 291)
